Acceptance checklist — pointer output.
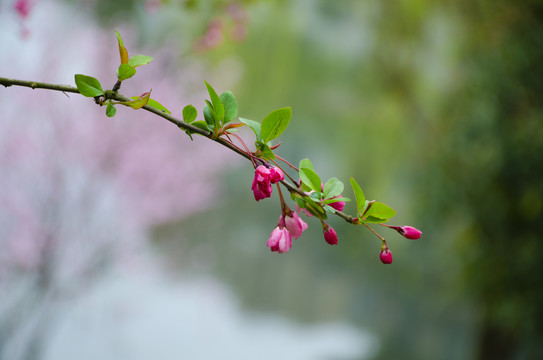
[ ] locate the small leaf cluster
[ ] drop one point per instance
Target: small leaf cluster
(318, 196)
(91, 87)
(273, 125)
(370, 211)
(218, 112)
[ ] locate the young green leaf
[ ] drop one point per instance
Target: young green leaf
(208, 114)
(119, 38)
(110, 109)
(338, 199)
(378, 212)
(230, 106)
(254, 125)
(218, 107)
(275, 123)
(200, 124)
(306, 163)
(189, 113)
(138, 60)
(359, 196)
(315, 195)
(157, 105)
(314, 208)
(329, 209)
(265, 151)
(298, 200)
(88, 86)
(138, 102)
(122, 50)
(311, 179)
(125, 71)
(333, 187)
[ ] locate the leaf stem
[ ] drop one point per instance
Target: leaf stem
(379, 236)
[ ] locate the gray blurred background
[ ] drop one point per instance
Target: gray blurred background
(122, 239)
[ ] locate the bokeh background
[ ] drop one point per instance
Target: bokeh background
(122, 239)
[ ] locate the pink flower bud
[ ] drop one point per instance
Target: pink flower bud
(264, 177)
(261, 184)
(339, 206)
(294, 224)
(22, 7)
(330, 235)
(276, 175)
(408, 232)
(386, 256)
(280, 240)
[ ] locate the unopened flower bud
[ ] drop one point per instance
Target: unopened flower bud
(276, 175)
(386, 256)
(294, 224)
(330, 235)
(280, 240)
(264, 177)
(261, 184)
(408, 232)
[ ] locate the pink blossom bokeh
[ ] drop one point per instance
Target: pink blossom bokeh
(79, 190)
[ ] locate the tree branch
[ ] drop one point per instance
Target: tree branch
(179, 123)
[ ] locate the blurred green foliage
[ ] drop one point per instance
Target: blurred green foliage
(435, 107)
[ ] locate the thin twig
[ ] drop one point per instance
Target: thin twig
(179, 123)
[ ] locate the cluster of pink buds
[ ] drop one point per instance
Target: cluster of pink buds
(264, 178)
(407, 232)
(290, 226)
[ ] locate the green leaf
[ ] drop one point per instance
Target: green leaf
(122, 50)
(201, 124)
(311, 179)
(359, 196)
(208, 114)
(306, 163)
(275, 123)
(119, 39)
(189, 113)
(157, 105)
(138, 60)
(265, 151)
(316, 196)
(255, 125)
(110, 109)
(333, 187)
(88, 86)
(125, 71)
(138, 102)
(299, 201)
(230, 106)
(218, 107)
(329, 209)
(378, 212)
(338, 199)
(314, 208)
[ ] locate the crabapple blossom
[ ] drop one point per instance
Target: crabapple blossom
(264, 178)
(294, 224)
(280, 240)
(386, 256)
(408, 232)
(330, 235)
